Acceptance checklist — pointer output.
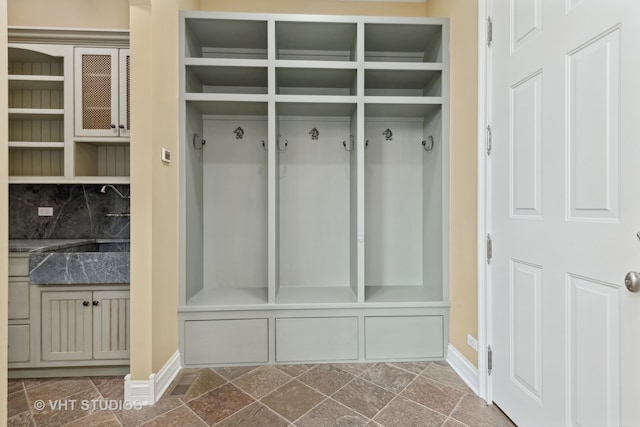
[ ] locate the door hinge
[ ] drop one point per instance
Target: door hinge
(489, 31)
(489, 248)
(489, 359)
(489, 140)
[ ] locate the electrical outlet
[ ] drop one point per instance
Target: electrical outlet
(45, 211)
(472, 342)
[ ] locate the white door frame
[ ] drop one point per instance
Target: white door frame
(484, 289)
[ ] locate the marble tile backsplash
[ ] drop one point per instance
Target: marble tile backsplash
(79, 211)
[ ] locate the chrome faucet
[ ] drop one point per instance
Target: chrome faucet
(104, 190)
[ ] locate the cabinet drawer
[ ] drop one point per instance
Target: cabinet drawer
(316, 339)
(404, 337)
(18, 300)
(226, 341)
(19, 343)
(18, 266)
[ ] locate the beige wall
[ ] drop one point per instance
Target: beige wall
(93, 14)
(463, 205)
(4, 200)
(326, 7)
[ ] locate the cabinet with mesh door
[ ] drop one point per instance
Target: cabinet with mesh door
(102, 92)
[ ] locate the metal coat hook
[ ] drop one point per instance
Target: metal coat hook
(351, 141)
(314, 134)
(197, 137)
(388, 135)
(286, 144)
(264, 146)
(366, 144)
(239, 132)
(424, 144)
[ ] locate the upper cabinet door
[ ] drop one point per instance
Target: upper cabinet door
(125, 121)
(97, 92)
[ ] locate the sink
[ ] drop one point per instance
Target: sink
(99, 262)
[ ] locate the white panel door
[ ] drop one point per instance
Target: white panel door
(565, 210)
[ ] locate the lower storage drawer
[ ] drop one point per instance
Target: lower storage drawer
(404, 337)
(226, 341)
(316, 339)
(19, 343)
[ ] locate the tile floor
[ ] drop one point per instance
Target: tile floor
(408, 394)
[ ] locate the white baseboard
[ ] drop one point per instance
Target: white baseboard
(463, 368)
(147, 392)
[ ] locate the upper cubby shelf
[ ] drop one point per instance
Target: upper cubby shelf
(226, 79)
(316, 41)
(222, 38)
(402, 42)
(23, 62)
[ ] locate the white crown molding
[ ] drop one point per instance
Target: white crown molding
(148, 392)
(76, 37)
(463, 368)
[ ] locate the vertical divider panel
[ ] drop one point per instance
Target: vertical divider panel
(444, 158)
(353, 204)
(359, 169)
(273, 168)
(68, 108)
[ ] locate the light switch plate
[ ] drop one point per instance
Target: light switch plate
(45, 211)
(166, 155)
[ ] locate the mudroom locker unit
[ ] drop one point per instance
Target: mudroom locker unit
(314, 188)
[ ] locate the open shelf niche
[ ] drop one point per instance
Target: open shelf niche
(226, 203)
(316, 203)
(37, 99)
(405, 203)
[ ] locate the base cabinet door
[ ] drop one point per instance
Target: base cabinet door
(110, 324)
(85, 325)
(66, 325)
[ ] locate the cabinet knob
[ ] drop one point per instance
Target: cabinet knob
(85, 303)
(96, 303)
(113, 126)
(121, 126)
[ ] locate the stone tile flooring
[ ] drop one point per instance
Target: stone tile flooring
(408, 394)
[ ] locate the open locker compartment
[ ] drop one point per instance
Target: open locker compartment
(226, 203)
(316, 208)
(406, 203)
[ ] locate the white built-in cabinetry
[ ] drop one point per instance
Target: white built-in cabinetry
(314, 171)
(59, 97)
(65, 329)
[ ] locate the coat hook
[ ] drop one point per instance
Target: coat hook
(286, 144)
(424, 144)
(351, 141)
(388, 135)
(239, 132)
(201, 143)
(264, 145)
(314, 134)
(366, 144)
